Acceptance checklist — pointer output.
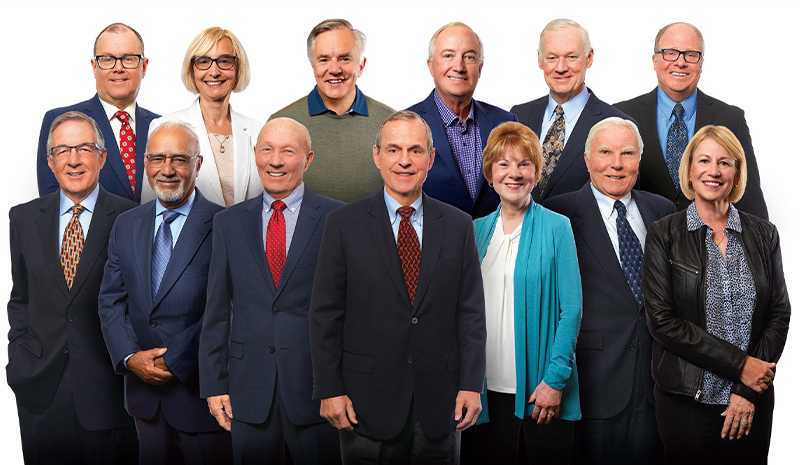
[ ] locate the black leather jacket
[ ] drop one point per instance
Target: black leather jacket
(674, 281)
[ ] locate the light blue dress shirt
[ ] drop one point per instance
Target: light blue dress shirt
(664, 116)
(65, 213)
(416, 217)
(572, 111)
(293, 202)
(177, 224)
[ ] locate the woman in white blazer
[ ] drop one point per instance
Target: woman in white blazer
(215, 66)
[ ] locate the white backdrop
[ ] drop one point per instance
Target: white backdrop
(750, 61)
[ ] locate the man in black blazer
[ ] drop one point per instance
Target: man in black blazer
(255, 361)
(614, 346)
(678, 75)
(398, 334)
(565, 53)
(69, 400)
(119, 66)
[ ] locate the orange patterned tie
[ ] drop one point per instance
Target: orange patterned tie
(72, 245)
(409, 250)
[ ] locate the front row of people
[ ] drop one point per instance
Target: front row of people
(402, 323)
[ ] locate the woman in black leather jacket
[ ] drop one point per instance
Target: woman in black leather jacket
(718, 310)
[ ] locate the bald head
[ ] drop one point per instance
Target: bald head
(283, 154)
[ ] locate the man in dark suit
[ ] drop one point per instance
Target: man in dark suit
(460, 124)
(609, 222)
(257, 362)
(119, 66)
(562, 118)
(397, 321)
(152, 301)
(69, 401)
(678, 62)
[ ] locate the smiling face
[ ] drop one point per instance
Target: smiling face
(678, 79)
(119, 86)
(455, 65)
(403, 159)
(564, 62)
(173, 186)
(216, 84)
(77, 174)
(613, 164)
(337, 65)
(282, 156)
(514, 175)
(712, 172)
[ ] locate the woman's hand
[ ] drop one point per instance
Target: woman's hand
(547, 403)
(757, 374)
(738, 417)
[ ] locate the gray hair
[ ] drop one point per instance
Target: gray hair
(335, 25)
(559, 24)
(405, 115)
(664, 29)
(117, 28)
(176, 124)
(78, 117)
(613, 122)
(432, 43)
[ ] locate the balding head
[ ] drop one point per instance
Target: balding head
(283, 154)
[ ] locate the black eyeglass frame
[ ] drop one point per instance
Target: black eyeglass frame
(685, 57)
(214, 60)
(120, 59)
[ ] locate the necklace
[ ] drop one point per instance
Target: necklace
(220, 141)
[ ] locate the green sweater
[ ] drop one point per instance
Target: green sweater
(343, 167)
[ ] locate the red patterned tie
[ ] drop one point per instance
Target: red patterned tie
(409, 250)
(72, 245)
(276, 241)
(127, 147)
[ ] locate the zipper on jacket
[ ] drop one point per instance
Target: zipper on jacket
(685, 267)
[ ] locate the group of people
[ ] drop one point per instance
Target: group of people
(566, 282)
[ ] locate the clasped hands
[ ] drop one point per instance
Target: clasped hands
(149, 366)
(758, 376)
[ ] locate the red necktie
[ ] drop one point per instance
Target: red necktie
(276, 241)
(127, 147)
(409, 250)
(72, 246)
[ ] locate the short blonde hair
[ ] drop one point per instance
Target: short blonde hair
(203, 44)
(725, 138)
(508, 136)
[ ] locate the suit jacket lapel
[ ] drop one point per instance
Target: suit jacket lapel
(432, 235)
(142, 128)
(654, 164)
(443, 151)
(113, 159)
(48, 234)
(381, 232)
(308, 221)
(253, 229)
(704, 115)
(143, 234)
(95, 242)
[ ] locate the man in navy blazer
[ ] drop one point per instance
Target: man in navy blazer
(152, 302)
(255, 361)
(614, 346)
(460, 124)
(565, 53)
(117, 86)
(677, 84)
(398, 335)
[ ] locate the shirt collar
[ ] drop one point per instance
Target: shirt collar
(317, 107)
(606, 203)
(392, 205)
(694, 222)
(448, 116)
(111, 111)
(183, 209)
(292, 201)
(65, 203)
(666, 104)
(572, 107)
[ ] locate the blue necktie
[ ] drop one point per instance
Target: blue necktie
(630, 253)
(677, 140)
(162, 249)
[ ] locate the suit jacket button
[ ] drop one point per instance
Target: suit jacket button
(65, 350)
(632, 347)
(409, 359)
(153, 323)
(414, 321)
(271, 349)
(641, 317)
(69, 319)
(276, 310)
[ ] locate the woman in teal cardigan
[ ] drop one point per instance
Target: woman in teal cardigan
(533, 310)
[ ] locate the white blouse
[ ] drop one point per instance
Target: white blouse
(498, 288)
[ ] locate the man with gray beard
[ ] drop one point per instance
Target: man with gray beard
(152, 302)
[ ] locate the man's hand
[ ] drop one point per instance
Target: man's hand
(150, 367)
(547, 403)
(468, 406)
(220, 407)
(339, 412)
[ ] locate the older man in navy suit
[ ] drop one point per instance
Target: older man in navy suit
(119, 66)
(152, 302)
(255, 361)
(459, 123)
(614, 347)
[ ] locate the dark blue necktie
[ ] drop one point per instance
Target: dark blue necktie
(677, 140)
(162, 249)
(630, 253)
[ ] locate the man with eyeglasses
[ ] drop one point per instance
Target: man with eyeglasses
(119, 66)
(340, 118)
(69, 401)
(152, 302)
(669, 116)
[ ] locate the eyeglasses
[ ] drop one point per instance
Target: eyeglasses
(670, 54)
(179, 161)
(87, 148)
(110, 61)
(223, 62)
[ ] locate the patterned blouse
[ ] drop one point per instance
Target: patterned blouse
(730, 298)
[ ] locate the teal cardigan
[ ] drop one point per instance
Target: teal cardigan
(547, 308)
